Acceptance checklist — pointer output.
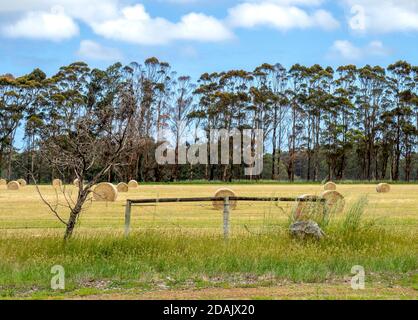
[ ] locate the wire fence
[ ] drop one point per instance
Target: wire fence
(249, 214)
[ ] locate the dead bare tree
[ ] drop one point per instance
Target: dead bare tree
(86, 130)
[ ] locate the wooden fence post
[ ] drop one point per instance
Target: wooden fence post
(127, 218)
(226, 218)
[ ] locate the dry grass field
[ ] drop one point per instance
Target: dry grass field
(197, 263)
(23, 210)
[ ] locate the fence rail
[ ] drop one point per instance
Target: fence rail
(226, 200)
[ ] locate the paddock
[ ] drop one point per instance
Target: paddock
(22, 211)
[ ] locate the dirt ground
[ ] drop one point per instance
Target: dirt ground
(296, 291)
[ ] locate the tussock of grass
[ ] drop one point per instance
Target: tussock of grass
(353, 216)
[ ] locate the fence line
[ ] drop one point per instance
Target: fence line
(226, 201)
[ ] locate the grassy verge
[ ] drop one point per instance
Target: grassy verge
(174, 259)
(157, 259)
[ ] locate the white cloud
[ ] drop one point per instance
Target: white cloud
(95, 51)
(109, 19)
(347, 51)
(197, 26)
(55, 25)
(135, 25)
(382, 16)
(377, 48)
(282, 17)
(85, 10)
(52, 19)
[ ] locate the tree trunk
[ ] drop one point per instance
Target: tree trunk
(75, 212)
(274, 165)
(71, 225)
(1, 163)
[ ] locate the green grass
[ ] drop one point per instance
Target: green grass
(151, 259)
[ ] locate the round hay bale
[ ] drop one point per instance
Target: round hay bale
(57, 183)
(22, 182)
(3, 182)
(334, 201)
(105, 192)
(133, 184)
(13, 185)
(383, 188)
(303, 208)
(330, 186)
(224, 192)
(122, 187)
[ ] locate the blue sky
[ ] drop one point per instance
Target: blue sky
(197, 36)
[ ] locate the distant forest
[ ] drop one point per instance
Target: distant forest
(319, 123)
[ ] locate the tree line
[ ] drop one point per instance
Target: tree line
(318, 123)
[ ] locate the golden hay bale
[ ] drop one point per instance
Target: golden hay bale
(3, 182)
(330, 186)
(105, 192)
(57, 183)
(22, 182)
(122, 187)
(133, 184)
(13, 185)
(334, 201)
(224, 192)
(305, 207)
(383, 188)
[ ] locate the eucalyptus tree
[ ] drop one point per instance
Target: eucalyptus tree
(223, 104)
(297, 93)
(414, 103)
(149, 87)
(264, 101)
(326, 110)
(180, 107)
(402, 84)
(262, 98)
(233, 102)
(345, 95)
(370, 100)
(16, 96)
(33, 117)
(207, 112)
(409, 131)
(279, 114)
(314, 108)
